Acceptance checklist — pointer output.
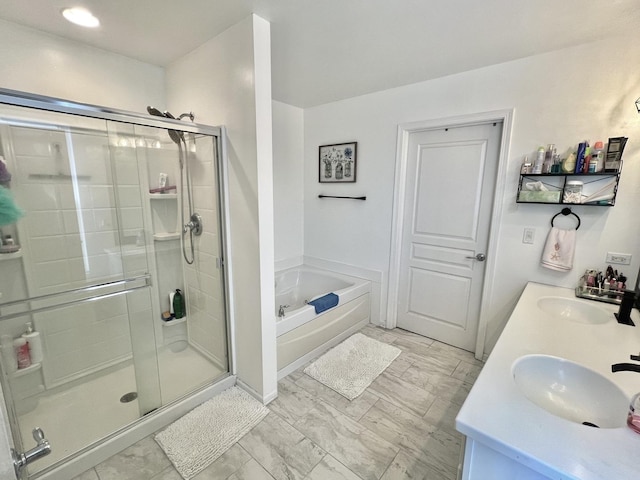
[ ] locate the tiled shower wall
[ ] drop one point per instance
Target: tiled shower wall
(71, 240)
(207, 328)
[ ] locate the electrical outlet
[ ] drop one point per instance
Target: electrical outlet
(619, 258)
(528, 235)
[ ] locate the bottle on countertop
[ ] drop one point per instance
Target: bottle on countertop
(537, 166)
(633, 418)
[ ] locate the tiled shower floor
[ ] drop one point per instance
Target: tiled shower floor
(84, 413)
(401, 427)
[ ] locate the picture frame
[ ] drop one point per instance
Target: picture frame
(337, 162)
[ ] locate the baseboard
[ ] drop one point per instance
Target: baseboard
(264, 399)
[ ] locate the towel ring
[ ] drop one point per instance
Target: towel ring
(566, 211)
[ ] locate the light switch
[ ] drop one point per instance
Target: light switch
(529, 235)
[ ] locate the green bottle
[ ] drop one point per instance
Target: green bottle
(178, 304)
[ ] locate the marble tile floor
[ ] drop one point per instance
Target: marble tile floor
(401, 427)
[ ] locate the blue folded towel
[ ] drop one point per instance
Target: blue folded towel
(321, 304)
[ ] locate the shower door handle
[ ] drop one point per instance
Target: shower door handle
(42, 449)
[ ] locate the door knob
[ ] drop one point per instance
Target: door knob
(481, 257)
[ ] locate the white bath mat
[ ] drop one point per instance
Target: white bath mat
(350, 367)
(194, 441)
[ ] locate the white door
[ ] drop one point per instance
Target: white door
(450, 183)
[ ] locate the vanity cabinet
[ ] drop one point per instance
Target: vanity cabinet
(603, 187)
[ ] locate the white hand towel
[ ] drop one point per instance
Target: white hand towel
(559, 249)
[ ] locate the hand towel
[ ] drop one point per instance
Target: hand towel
(559, 250)
(321, 304)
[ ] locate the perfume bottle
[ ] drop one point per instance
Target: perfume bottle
(633, 418)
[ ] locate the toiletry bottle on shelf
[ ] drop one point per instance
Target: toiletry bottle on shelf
(178, 304)
(548, 158)
(35, 343)
(526, 166)
(22, 352)
(537, 166)
(569, 163)
(597, 158)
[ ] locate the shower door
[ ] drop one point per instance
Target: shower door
(90, 265)
(79, 279)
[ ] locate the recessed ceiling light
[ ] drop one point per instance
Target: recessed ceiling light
(81, 16)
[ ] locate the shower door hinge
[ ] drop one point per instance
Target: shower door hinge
(219, 263)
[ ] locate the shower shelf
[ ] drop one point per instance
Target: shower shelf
(174, 321)
(163, 196)
(164, 237)
(26, 371)
(10, 256)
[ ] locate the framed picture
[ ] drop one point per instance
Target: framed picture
(337, 163)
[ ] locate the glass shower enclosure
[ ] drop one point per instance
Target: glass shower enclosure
(87, 271)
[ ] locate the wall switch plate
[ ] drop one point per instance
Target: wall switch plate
(619, 258)
(528, 235)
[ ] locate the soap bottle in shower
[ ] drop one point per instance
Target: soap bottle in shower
(178, 304)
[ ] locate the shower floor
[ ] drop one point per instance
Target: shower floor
(74, 418)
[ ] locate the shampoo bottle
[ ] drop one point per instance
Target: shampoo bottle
(178, 304)
(22, 352)
(35, 343)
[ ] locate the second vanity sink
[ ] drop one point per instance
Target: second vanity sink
(576, 310)
(571, 391)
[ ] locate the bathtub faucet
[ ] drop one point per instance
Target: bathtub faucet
(281, 310)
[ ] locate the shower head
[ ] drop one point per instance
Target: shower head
(154, 111)
(177, 137)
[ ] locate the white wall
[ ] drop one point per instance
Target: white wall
(563, 97)
(288, 182)
(227, 81)
(36, 62)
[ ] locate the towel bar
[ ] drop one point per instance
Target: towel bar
(566, 211)
(334, 196)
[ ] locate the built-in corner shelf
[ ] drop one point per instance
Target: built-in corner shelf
(175, 321)
(11, 255)
(163, 196)
(164, 237)
(34, 367)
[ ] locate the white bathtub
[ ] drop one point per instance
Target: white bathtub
(301, 333)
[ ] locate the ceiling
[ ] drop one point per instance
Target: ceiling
(327, 50)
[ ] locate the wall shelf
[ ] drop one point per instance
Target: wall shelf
(601, 183)
(165, 237)
(11, 255)
(34, 367)
(163, 196)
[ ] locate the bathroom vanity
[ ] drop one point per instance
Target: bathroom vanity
(569, 346)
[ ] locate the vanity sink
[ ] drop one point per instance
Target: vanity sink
(575, 310)
(571, 391)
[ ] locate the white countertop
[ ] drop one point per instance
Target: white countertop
(498, 415)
